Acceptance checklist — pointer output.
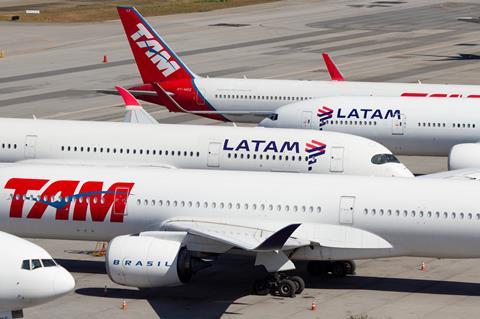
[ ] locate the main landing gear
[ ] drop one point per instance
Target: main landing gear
(279, 285)
(339, 268)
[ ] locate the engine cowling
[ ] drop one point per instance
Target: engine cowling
(465, 155)
(147, 262)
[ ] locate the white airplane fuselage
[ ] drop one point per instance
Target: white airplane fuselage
(407, 126)
(418, 217)
(28, 275)
(193, 146)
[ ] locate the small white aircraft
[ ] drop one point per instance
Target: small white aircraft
(245, 100)
(28, 277)
(194, 146)
(164, 224)
(407, 126)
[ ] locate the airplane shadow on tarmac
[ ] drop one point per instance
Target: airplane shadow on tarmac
(212, 291)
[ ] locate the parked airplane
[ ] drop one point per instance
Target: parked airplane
(194, 146)
(164, 224)
(29, 276)
(244, 100)
(408, 126)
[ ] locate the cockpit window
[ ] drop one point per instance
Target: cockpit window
(48, 263)
(36, 264)
(384, 158)
(26, 264)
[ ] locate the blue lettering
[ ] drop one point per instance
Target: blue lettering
(116, 262)
(271, 147)
(127, 263)
(225, 146)
(353, 113)
(290, 147)
(339, 115)
(393, 114)
(167, 264)
(365, 112)
(139, 263)
(257, 144)
(377, 113)
(243, 145)
(149, 263)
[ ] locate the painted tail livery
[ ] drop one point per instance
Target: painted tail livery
(155, 60)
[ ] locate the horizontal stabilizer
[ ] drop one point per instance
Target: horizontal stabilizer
(134, 112)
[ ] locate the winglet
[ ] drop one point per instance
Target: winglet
(278, 239)
(127, 97)
(334, 72)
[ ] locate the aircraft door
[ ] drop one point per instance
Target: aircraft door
(398, 125)
(30, 146)
(213, 159)
(120, 201)
(306, 119)
(346, 210)
(336, 159)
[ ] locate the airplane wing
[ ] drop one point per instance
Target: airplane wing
(254, 236)
(458, 174)
(134, 112)
(334, 72)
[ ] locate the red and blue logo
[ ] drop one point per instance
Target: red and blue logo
(324, 114)
(314, 149)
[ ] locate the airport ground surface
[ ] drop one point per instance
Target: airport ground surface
(50, 71)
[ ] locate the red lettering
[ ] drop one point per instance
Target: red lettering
(414, 94)
(100, 202)
(66, 189)
(21, 187)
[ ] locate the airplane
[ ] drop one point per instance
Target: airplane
(29, 276)
(407, 126)
(193, 146)
(164, 224)
(244, 100)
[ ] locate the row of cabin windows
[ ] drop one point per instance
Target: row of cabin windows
(342, 122)
(229, 205)
(94, 199)
(421, 214)
(127, 151)
(9, 146)
(463, 125)
(292, 158)
(454, 125)
(262, 97)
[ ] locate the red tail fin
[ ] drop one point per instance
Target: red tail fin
(334, 72)
(155, 60)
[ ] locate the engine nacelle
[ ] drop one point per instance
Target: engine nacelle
(465, 155)
(147, 262)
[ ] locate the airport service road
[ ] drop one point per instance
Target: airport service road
(51, 71)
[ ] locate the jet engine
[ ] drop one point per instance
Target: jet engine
(465, 155)
(147, 262)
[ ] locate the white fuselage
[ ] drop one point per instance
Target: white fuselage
(407, 126)
(192, 146)
(418, 217)
(28, 275)
(226, 94)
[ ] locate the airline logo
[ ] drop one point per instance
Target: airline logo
(155, 51)
(314, 149)
(142, 263)
(61, 195)
(324, 114)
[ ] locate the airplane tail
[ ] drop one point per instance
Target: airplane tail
(155, 60)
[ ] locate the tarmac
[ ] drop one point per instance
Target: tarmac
(53, 70)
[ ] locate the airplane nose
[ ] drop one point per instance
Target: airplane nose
(64, 282)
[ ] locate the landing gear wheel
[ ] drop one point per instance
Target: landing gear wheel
(286, 288)
(350, 267)
(299, 284)
(260, 287)
(339, 269)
